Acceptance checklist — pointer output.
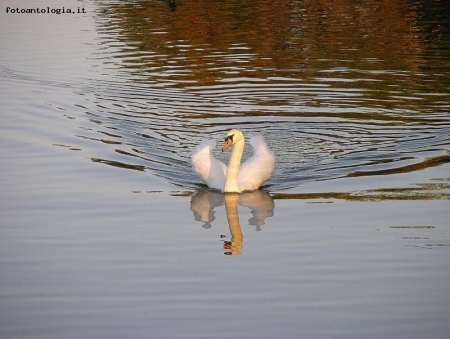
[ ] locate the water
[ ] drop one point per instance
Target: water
(106, 232)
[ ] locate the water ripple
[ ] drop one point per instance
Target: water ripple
(155, 129)
(327, 111)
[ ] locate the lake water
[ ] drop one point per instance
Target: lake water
(105, 232)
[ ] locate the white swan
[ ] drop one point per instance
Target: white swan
(236, 177)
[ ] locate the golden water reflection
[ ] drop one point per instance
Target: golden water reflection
(259, 202)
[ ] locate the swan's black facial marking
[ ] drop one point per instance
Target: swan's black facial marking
(228, 142)
(229, 137)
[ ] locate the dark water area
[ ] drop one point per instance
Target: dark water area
(105, 231)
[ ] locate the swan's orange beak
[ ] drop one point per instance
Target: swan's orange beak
(228, 142)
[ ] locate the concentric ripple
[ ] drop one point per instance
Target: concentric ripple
(327, 113)
(327, 109)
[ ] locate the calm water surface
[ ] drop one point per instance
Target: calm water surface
(106, 233)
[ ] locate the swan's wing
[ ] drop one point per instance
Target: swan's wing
(257, 169)
(208, 168)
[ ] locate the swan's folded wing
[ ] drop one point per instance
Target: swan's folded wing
(208, 168)
(259, 168)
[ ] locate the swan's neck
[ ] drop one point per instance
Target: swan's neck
(231, 184)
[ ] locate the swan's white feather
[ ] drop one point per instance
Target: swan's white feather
(209, 169)
(252, 174)
(257, 169)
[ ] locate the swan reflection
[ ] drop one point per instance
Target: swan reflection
(260, 203)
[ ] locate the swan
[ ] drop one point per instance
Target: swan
(236, 177)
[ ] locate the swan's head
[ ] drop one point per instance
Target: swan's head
(233, 137)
